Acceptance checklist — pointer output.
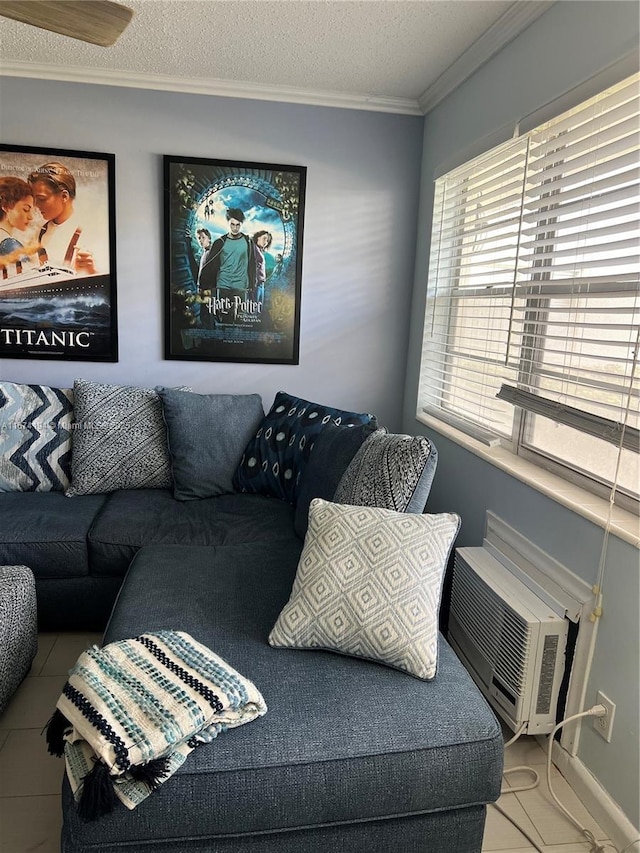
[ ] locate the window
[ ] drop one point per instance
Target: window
(532, 322)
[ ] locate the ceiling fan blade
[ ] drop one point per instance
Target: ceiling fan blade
(95, 21)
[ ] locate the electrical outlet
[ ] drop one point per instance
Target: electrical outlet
(604, 725)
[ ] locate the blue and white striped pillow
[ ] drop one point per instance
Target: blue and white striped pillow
(35, 437)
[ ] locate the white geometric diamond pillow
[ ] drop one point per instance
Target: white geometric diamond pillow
(368, 585)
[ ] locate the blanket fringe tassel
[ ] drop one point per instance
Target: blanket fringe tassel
(98, 796)
(56, 728)
(152, 773)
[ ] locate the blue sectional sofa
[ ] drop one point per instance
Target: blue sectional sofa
(80, 548)
(352, 755)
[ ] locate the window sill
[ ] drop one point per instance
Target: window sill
(625, 525)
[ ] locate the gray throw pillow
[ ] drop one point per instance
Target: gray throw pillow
(119, 440)
(207, 434)
(331, 452)
(391, 471)
(35, 437)
(368, 585)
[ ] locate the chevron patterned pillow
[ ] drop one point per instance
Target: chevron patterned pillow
(119, 440)
(35, 437)
(368, 585)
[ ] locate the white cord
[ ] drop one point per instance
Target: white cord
(521, 767)
(518, 827)
(516, 736)
(534, 784)
(627, 847)
(595, 711)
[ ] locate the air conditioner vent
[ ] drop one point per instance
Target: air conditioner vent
(501, 634)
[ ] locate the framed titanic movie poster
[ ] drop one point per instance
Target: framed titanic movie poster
(233, 260)
(57, 255)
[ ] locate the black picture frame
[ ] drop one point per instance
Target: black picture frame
(233, 260)
(58, 295)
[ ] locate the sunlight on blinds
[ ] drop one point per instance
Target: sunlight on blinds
(534, 282)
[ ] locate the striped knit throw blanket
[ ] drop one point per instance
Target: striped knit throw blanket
(131, 712)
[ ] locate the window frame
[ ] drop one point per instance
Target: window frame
(517, 442)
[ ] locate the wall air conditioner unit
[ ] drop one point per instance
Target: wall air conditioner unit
(511, 641)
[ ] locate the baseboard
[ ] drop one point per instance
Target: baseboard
(597, 801)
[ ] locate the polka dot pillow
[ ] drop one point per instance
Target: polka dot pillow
(274, 460)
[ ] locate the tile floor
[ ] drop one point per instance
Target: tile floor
(30, 779)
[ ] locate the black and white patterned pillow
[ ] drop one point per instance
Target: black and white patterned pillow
(119, 440)
(391, 471)
(35, 437)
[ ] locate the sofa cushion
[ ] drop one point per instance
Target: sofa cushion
(207, 434)
(390, 471)
(331, 453)
(119, 440)
(275, 458)
(39, 530)
(134, 518)
(368, 584)
(384, 742)
(35, 437)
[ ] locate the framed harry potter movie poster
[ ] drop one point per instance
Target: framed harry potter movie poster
(57, 255)
(233, 260)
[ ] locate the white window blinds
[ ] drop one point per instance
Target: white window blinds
(534, 277)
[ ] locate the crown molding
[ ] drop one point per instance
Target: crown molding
(516, 19)
(220, 88)
(519, 16)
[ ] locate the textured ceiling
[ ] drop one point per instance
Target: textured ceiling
(369, 48)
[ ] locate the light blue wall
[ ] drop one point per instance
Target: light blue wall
(568, 44)
(359, 236)
(357, 302)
